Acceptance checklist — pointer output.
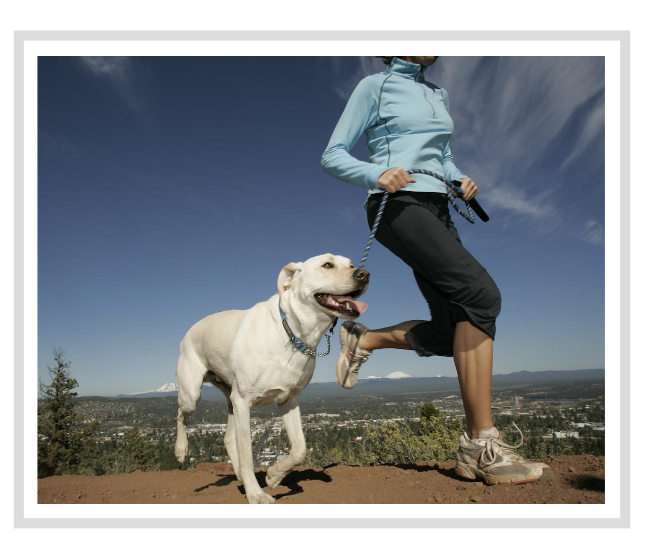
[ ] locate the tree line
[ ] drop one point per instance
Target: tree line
(68, 442)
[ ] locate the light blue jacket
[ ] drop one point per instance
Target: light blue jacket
(406, 123)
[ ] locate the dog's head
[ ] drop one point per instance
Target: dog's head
(329, 282)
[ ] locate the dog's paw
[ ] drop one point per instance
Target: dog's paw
(180, 453)
(273, 481)
(273, 478)
(260, 498)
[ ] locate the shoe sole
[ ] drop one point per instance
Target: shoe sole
(340, 366)
(467, 471)
(343, 336)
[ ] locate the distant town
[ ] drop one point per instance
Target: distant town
(556, 416)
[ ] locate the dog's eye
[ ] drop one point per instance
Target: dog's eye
(328, 265)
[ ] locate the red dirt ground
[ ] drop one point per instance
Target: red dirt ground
(578, 480)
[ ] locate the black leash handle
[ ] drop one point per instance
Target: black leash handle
(477, 208)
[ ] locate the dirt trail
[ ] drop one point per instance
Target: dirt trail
(578, 480)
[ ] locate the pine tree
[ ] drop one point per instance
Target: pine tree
(139, 454)
(429, 411)
(62, 446)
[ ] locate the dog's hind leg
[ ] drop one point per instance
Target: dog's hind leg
(229, 438)
(291, 417)
(190, 373)
(242, 425)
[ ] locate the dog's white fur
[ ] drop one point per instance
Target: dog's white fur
(248, 356)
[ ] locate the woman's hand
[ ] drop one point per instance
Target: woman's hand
(469, 189)
(394, 179)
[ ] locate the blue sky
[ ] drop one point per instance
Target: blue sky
(174, 187)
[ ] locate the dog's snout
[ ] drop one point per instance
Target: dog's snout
(362, 275)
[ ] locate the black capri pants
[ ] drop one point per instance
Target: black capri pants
(417, 227)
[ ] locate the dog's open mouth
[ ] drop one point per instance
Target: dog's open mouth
(346, 305)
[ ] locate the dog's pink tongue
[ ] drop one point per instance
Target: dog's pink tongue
(356, 304)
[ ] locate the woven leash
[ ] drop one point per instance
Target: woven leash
(450, 187)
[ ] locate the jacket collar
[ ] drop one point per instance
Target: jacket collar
(406, 69)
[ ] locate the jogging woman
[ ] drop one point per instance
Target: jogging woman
(406, 123)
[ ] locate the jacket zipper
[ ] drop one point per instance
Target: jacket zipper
(424, 91)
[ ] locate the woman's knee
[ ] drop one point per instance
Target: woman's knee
(485, 298)
(493, 297)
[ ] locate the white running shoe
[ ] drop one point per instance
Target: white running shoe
(352, 356)
(491, 459)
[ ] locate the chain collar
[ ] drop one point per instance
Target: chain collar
(301, 346)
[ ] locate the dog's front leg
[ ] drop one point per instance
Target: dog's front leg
(291, 417)
(242, 418)
(230, 440)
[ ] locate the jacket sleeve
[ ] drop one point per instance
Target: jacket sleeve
(359, 114)
(451, 173)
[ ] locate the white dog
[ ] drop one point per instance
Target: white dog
(250, 356)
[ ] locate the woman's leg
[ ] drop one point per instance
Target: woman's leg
(473, 351)
(473, 358)
(389, 337)
(419, 230)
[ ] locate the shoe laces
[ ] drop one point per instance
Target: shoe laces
(495, 446)
(356, 361)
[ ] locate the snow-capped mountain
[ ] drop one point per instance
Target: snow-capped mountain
(392, 376)
(398, 374)
(165, 388)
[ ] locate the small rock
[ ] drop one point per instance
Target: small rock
(572, 469)
(476, 498)
(153, 496)
(78, 496)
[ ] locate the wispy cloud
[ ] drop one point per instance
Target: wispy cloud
(592, 129)
(591, 232)
(344, 84)
(120, 73)
(525, 117)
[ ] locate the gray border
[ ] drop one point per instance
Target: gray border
(20, 37)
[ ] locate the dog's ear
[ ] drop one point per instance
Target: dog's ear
(287, 275)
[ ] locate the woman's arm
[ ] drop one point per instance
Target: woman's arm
(359, 114)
